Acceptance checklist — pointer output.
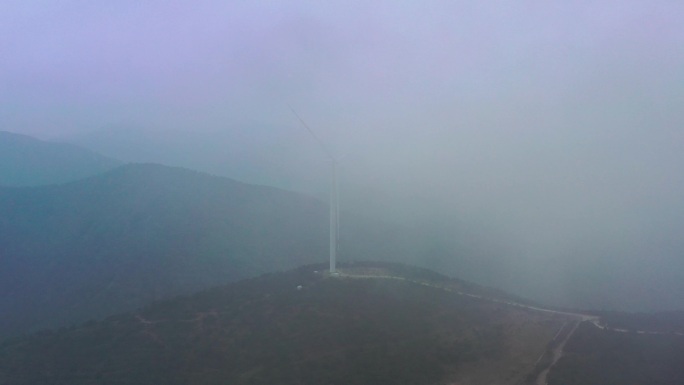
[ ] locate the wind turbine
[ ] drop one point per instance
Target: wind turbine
(334, 196)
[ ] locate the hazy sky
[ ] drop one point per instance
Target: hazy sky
(559, 124)
(392, 67)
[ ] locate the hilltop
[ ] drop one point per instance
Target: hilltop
(297, 327)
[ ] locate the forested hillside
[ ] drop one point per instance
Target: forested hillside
(299, 327)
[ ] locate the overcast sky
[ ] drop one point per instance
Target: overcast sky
(389, 67)
(561, 122)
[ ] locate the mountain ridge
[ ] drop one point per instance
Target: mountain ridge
(302, 326)
(27, 161)
(143, 232)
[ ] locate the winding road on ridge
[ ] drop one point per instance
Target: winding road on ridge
(556, 352)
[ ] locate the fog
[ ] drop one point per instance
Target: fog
(544, 139)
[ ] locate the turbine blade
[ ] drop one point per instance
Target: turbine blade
(320, 142)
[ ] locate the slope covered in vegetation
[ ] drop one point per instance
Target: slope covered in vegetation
(596, 356)
(299, 327)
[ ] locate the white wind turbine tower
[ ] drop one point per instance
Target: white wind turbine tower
(334, 196)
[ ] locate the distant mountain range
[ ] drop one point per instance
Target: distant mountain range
(124, 236)
(276, 156)
(83, 237)
(299, 327)
(591, 266)
(142, 232)
(26, 161)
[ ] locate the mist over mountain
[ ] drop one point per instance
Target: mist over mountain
(532, 147)
(595, 225)
(543, 140)
(141, 232)
(279, 156)
(26, 161)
